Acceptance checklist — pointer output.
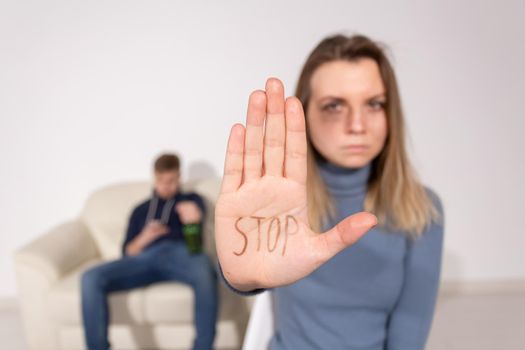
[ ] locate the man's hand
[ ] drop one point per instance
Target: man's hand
(151, 232)
(189, 212)
(262, 232)
(155, 229)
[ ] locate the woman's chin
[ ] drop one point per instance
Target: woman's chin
(353, 161)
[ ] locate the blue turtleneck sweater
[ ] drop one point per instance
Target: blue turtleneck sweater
(378, 294)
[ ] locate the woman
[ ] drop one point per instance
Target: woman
(340, 289)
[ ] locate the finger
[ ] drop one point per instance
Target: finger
(253, 142)
(275, 129)
(233, 163)
(295, 154)
(345, 233)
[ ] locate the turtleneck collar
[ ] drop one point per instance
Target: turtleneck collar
(342, 181)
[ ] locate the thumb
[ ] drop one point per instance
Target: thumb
(346, 233)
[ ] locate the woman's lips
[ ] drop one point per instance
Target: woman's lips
(355, 148)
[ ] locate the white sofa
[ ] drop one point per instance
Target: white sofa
(156, 317)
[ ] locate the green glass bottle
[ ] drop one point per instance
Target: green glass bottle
(193, 237)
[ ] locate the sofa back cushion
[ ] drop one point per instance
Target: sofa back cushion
(107, 210)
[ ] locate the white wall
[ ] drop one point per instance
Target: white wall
(91, 91)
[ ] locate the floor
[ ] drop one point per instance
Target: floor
(480, 322)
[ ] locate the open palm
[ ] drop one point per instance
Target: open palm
(262, 232)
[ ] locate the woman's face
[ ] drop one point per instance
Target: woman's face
(346, 112)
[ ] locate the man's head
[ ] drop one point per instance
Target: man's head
(167, 173)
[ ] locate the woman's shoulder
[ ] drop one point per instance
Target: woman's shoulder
(437, 203)
(434, 197)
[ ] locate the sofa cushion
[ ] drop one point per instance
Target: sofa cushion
(162, 302)
(168, 303)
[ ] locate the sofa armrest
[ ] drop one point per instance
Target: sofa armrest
(58, 251)
(39, 265)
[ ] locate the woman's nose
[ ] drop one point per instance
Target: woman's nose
(354, 123)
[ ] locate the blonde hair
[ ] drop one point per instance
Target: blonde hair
(394, 193)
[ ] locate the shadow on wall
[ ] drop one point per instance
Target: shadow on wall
(200, 170)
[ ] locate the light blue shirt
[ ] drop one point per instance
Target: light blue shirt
(378, 294)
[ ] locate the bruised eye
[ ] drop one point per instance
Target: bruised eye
(377, 105)
(334, 106)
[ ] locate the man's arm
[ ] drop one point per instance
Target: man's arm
(137, 245)
(139, 236)
(409, 324)
(192, 209)
(132, 231)
(200, 203)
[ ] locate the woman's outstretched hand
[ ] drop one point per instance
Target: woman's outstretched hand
(262, 232)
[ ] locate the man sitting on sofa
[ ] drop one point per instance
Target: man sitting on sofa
(158, 247)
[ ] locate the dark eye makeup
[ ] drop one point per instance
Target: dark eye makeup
(335, 104)
(332, 105)
(377, 104)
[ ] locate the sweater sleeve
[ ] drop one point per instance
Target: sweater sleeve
(195, 197)
(233, 289)
(410, 321)
(134, 228)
